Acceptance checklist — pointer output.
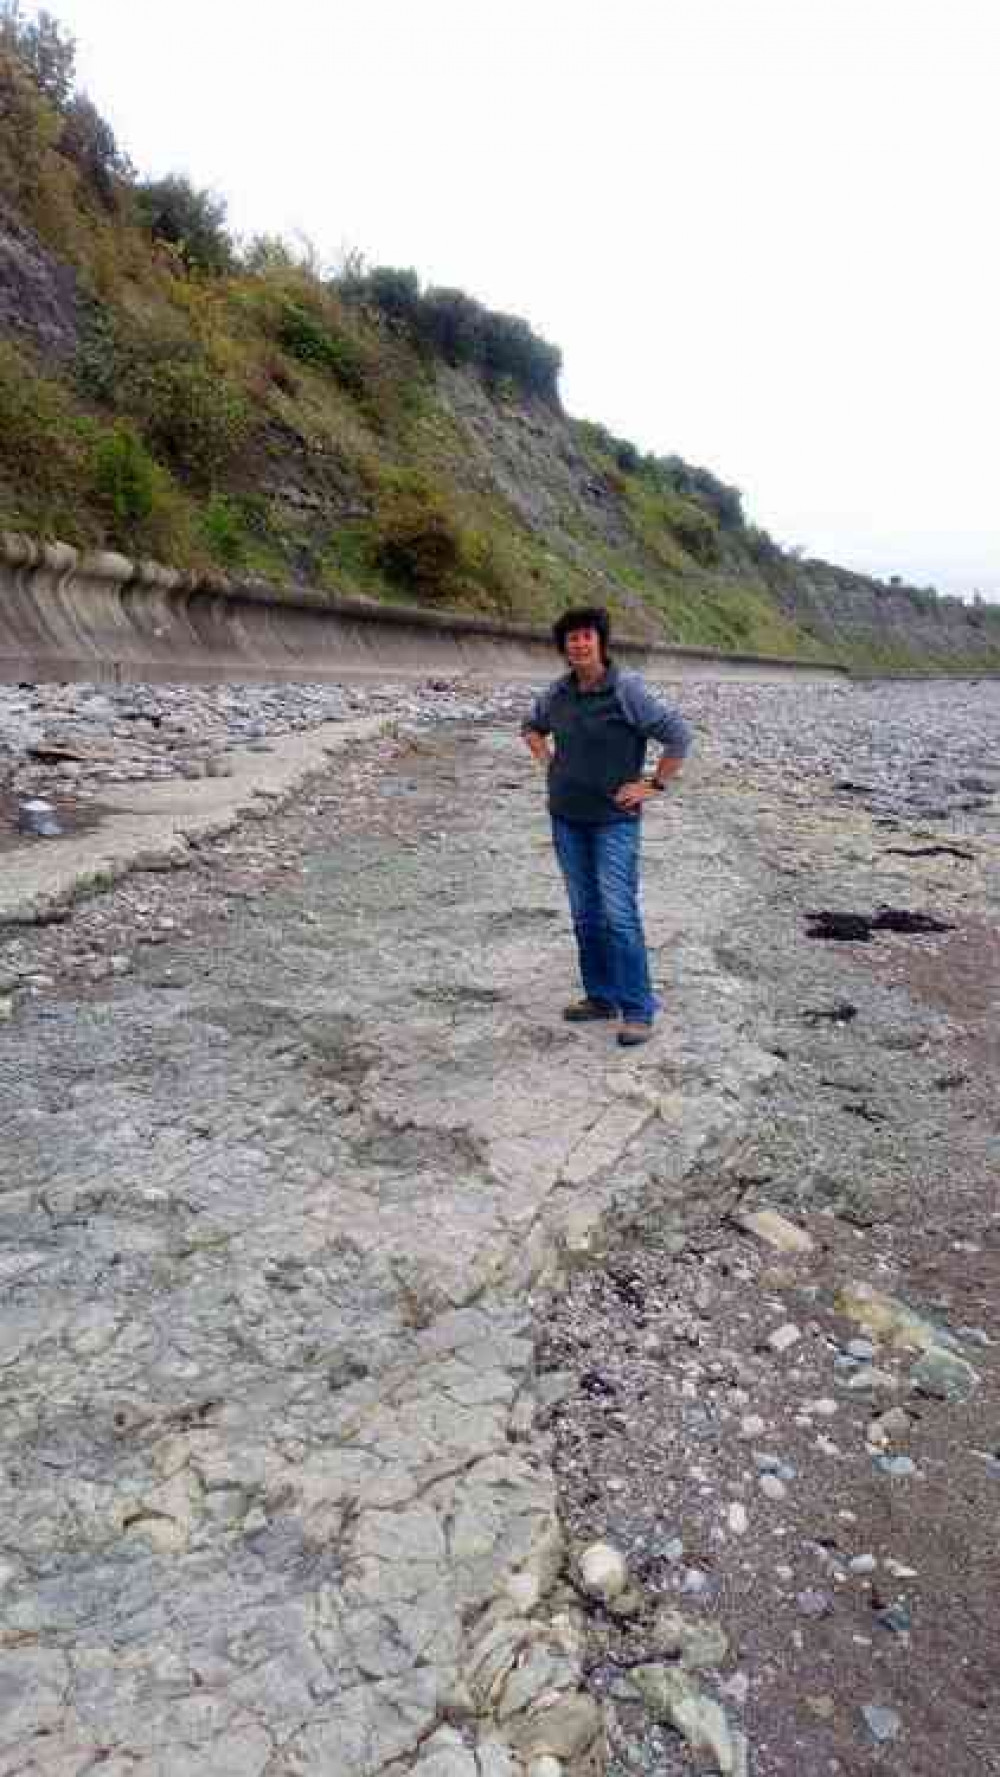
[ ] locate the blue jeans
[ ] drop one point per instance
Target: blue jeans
(600, 863)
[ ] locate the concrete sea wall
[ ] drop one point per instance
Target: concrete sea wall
(100, 617)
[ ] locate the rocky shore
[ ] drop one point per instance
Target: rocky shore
(351, 1299)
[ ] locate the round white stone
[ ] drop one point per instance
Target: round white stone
(603, 1573)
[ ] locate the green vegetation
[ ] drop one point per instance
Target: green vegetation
(233, 405)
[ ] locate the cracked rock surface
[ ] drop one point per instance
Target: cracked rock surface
(279, 1190)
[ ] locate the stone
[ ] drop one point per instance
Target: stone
(944, 1376)
(672, 1696)
(696, 1644)
(773, 1487)
(901, 1468)
(882, 1723)
(603, 1571)
(736, 1687)
(813, 1603)
(784, 1337)
(445, 1754)
(546, 1766)
(566, 1729)
(38, 819)
(889, 1318)
(893, 1424)
(861, 1349)
(821, 1707)
(737, 1518)
(871, 1380)
(775, 1230)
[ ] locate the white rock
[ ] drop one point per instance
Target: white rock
(739, 1522)
(783, 1338)
(773, 1487)
(776, 1230)
(546, 1766)
(603, 1571)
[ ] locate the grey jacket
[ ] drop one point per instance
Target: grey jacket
(600, 741)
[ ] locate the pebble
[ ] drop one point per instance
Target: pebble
(784, 1337)
(944, 1376)
(739, 1521)
(893, 1424)
(752, 1426)
(603, 1571)
(773, 1487)
(822, 1707)
(863, 1564)
(813, 1603)
(736, 1688)
(899, 1467)
(883, 1724)
(872, 1381)
(860, 1349)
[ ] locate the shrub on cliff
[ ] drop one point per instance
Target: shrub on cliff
(193, 416)
(460, 330)
(125, 476)
(416, 543)
(701, 485)
(305, 337)
(190, 221)
(42, 455)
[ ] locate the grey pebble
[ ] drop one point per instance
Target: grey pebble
(882, 1723)
(813, 1603)
(895, 1617)
(899, 1467)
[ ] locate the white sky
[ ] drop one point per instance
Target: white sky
(763, 232)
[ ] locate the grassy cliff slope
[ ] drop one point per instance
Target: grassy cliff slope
(164, 393)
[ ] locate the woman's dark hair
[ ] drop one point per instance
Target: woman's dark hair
(583, 617)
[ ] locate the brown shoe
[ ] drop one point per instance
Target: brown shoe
(589, 1011)
(631, 1035)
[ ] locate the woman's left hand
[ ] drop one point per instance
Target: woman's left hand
(632, 794)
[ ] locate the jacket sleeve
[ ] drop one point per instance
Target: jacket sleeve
(540, 719)
(654, 720)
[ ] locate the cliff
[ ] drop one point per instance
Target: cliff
(166, 394)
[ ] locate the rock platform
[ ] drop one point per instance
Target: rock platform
(299, 1159)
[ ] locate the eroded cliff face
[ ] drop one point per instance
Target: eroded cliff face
(873, 624)
(316, 484)
(39, 296)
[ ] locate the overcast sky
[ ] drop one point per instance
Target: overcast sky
(763, 232)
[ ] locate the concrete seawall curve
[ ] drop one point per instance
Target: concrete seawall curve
(100, 617)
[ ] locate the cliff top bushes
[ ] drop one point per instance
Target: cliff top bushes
(460, 329)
